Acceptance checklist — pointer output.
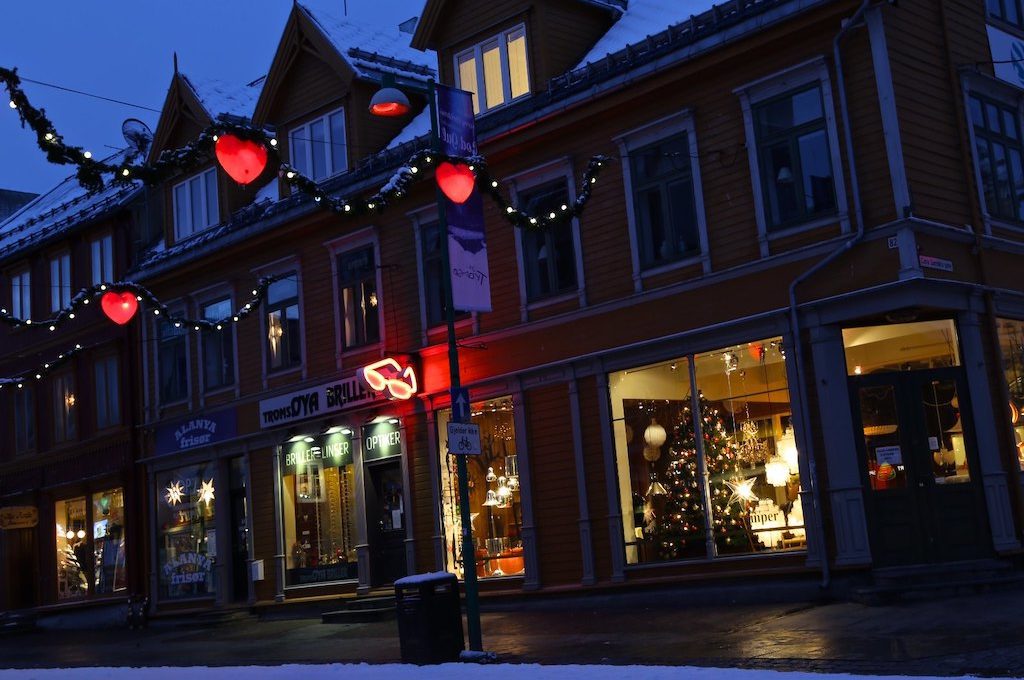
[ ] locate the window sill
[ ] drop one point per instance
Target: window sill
(278, 372)
(225, 389)
(361, 349)
(767, 554)
(310, 586)
(553, 300)
(460, 323)
(168, 404)
(504, 105)
(672, 266)
(816, 223)
(1004, 224)
(178, 238)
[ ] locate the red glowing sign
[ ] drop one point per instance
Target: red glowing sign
(389, 377)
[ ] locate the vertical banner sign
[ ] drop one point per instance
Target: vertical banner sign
(467, 247)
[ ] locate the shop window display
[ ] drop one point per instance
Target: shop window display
(494, 500)
(318, 489)
(108, 542)
(73, 563)
(1011, 345)
(737, 492)
(186, 532)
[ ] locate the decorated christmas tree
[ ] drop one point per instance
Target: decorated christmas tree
(677, 520)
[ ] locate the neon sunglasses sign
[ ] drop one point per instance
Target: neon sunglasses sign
(388, 376)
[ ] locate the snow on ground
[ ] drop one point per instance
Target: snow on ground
(450, 671)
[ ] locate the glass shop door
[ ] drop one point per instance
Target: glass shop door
(919, 467)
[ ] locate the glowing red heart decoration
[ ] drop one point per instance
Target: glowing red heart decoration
(119, 307)
(456, 181)
(242, 159)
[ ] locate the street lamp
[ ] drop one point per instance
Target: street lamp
(391, 102)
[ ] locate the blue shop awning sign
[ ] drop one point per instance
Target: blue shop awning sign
(198, 431)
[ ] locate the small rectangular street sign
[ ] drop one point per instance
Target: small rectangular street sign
(460, 405)
(935, 263)
(464, 439)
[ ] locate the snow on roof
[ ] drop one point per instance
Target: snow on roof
(372, 50)
(219, 97)
(641, 19)
(61, 207)
(417, 127)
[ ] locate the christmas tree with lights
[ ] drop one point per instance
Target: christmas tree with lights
(679, 526)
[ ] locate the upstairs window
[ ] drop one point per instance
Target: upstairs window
(495, 71)
(173, 362)
(1009, 11)
(549, 255)
(318, 148)
(108, 402)
(218, 347)
(21, 295)
(24, 420)
(794, 158)
(60, 282)
(357, 281)
(195, 204)
(997, 140)
(433, 270)
(64, 401)
(284, 345)
(663, 199)
(102, 252)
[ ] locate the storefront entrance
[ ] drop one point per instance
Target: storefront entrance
(21, 568)
(385, 519)
(919, 466)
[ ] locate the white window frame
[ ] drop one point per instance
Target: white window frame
(176, 309)
(421, 218)
(641, 137)
(476, 51)
(278, 267)
(203, 298)
(522, 182)
(60, 281)
(101, 257)
(112, 396)
(181, 229)
(367, 236)
(21, 293)
(810, 72)
(304, 132)
(978, 84)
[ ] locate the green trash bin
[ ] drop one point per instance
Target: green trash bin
(429, 618)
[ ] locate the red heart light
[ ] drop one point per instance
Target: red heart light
(242, 159)
(119, 307)
(456, 181)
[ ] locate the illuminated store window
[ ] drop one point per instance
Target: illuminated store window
(901, 347)
(735, 494)
(318, 489)
(186, 532)
(108, 542)
(494, 500)
(74, 561)
(1011, 345)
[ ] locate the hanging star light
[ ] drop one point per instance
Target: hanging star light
(174, 493)
(742, 490)
(205, 492)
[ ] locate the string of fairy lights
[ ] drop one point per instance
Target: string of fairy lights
(172, 162)
(91, 174)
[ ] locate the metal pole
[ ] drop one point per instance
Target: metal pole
(468, 550)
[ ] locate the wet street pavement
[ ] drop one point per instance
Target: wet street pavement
(980, 634)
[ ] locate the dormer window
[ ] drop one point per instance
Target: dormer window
(499, 65)
(317, 148)
(195, 204)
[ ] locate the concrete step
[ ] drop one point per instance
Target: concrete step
(367, 615)
(938, 581)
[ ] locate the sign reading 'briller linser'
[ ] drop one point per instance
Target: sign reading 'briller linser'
(315, 401)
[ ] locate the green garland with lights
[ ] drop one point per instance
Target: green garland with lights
(171, 162)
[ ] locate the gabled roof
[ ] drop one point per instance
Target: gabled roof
(372, 50)
(218, 97)
(641, 19)
(422, 39)
(365, 52)
(61, 208)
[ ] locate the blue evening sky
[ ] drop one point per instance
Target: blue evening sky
(123, 49)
